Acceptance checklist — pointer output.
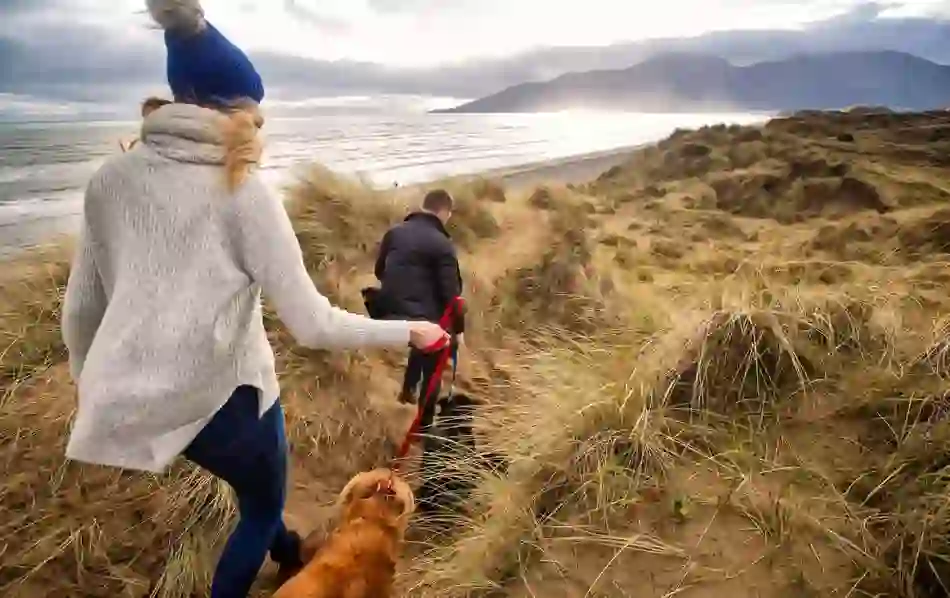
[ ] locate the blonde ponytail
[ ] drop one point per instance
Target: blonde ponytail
(242, 145)
(240, 126)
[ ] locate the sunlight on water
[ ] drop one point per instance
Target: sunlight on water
(43, 168)
(411, 149)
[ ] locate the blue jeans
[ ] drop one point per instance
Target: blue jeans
(250, 454)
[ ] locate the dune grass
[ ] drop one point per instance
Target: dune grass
(721, 368)
(31, 291)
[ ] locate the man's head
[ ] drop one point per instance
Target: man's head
(439, 203)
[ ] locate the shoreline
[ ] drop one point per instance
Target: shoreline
(36, 234)
(576, 169)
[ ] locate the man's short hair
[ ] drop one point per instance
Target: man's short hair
(437, 200)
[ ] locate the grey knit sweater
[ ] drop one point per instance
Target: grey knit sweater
(162, 315)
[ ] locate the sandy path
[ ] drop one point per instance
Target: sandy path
(522, 240)
(524, 235)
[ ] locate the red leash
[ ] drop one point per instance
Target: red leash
(445, 348)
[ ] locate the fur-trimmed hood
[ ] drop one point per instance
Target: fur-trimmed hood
(186, 133)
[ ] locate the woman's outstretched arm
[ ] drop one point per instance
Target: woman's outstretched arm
(271, 256)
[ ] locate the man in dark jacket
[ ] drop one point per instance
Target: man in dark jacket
(419, 271)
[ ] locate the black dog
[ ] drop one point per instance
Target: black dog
(449, 454)
(372, 300)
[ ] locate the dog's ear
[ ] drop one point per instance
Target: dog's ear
(404, 499)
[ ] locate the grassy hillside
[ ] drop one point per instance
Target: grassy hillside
(718, 369)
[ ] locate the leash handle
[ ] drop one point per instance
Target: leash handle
(446, 322)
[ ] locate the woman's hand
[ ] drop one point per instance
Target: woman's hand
(425, 335)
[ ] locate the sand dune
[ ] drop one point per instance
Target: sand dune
(719, 367)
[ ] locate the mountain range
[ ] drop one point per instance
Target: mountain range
(860, 30)
(683, 82)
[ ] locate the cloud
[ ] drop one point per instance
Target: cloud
(14, 106)
(80, 50)
(426, 32)
(423, 6)
(76, 54)
(320, 21)
(9, 7)
(937, 9)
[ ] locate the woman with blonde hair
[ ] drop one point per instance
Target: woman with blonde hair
(162, 315)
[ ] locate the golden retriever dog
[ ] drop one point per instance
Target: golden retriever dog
(358, 560)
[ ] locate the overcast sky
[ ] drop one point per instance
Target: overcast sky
(427, 32)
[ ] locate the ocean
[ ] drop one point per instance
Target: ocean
(45, 166)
